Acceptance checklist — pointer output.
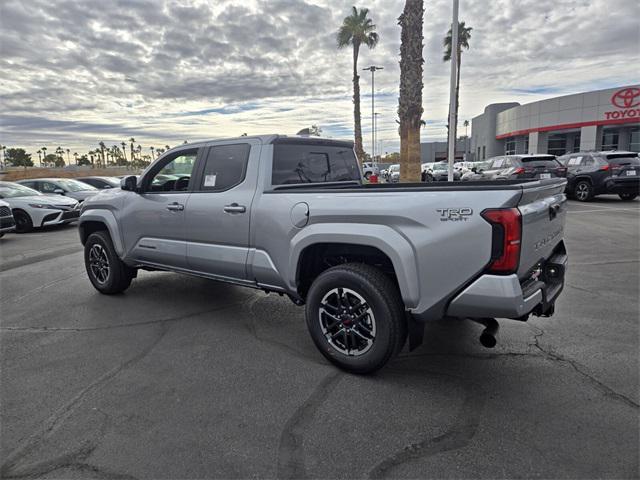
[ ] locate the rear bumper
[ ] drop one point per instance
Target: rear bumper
(503, 296)
(622, 185)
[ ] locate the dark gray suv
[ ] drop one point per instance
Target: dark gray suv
(596, 173)
(517, 167)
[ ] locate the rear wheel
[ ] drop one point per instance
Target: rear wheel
(583, 191)
(355, 316)
(627, 197)
(107, 272)
(23, 221)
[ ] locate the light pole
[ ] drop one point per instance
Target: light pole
(373, 69)
(452, 90)
(375, 135)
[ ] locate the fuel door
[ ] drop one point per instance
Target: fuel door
(300, 214)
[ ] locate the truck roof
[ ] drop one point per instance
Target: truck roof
(273, 138)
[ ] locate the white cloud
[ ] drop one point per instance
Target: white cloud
(76, 72)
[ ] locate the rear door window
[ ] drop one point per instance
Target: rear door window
(226, 167)
(308, 163)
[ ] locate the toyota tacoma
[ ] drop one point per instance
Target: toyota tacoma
(371, 262)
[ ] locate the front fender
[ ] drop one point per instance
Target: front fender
(107, 218)
(382, 237)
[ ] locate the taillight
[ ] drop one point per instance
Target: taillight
(507, 234)
(518, 171)
(562, 171)
(604, 168)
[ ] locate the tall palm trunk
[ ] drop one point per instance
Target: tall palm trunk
(356, 105)
(410, 102)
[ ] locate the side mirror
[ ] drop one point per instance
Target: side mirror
(59, 191)
(129, 183)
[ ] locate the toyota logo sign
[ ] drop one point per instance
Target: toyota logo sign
(626, 98)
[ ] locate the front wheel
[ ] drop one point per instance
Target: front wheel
(583, 191)
(23, 221)
(627, 197)
(355, 316)
(106, 271)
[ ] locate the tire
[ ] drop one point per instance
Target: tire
(367, 175)
(583, 191)
(98, 254)
(357, 347)
(24, 223)
(627, 197)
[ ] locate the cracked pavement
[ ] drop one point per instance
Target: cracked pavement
(182, 377)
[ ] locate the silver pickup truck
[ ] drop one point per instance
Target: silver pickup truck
(371, 263)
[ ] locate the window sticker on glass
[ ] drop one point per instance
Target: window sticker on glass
(575, 161)
(210, 180)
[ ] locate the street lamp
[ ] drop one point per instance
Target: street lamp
(375, 135)
(373, 69)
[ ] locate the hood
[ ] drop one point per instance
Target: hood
(42, 199)
(83, 194)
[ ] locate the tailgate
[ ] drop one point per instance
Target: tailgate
(543, 208)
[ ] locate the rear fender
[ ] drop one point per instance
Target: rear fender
(382, 237)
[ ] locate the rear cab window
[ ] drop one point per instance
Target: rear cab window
(622, 159)
(313, 162)
(540, 161)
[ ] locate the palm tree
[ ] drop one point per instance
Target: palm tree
(75, 156)
(44, 155)
(124, 151)
(357, 30)
(410, 101)
(464, 35)
(152, 148)
(39, 152)
(68, 156)
(132, 140)
(167, 147)
(465, 125)
(91, 152)
(102, 148)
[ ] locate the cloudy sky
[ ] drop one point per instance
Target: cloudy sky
(75, 72)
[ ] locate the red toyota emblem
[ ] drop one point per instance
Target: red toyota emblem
(626, 98)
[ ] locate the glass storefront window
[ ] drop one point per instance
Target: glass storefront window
(557, 144)
(610, 140)
(634, 140)
(510, 147)
(576, 143)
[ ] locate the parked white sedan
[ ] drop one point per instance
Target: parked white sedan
(7, 223)
(32, 209)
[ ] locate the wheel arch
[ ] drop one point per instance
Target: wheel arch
(100, 220)
(322, 246)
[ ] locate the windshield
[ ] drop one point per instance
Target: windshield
(394, 168)
(12, 190)
(113, 181)
(74, 185)
(440, 166)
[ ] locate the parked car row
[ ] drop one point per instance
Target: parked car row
(41, 202)
(588, 173)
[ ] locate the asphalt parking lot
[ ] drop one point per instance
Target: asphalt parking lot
(187, 378)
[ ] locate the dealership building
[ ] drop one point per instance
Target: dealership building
(599, 120)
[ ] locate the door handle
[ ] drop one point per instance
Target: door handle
(235, 208)
(175, 207)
